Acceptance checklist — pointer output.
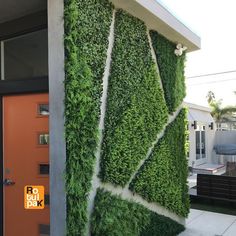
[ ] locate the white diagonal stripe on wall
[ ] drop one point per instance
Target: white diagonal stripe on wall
(124, 193)
(159, 136)
(155, 59)
(95, 179)
(128, 195)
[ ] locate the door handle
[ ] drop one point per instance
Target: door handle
(8, 182)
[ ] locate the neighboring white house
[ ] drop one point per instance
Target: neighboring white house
(201, 135)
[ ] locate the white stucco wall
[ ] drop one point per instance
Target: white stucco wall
(210, 137)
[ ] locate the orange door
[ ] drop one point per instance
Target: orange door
(26, 162)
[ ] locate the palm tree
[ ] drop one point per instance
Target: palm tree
(210, 97)
(219, 113)
(222, 114)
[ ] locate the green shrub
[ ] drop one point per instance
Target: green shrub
(163, 177)
(113, 216)
(86, 45)
(136, 110)
(171, 70)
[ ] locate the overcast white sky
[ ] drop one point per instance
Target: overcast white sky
(215, 23)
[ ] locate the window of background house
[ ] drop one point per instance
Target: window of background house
(25, 56)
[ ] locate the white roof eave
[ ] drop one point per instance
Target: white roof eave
(160, 19)
(199, 116)
(197, 107)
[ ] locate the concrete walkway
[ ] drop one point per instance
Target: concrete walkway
(205, 223)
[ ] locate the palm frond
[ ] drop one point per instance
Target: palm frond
(228, 110)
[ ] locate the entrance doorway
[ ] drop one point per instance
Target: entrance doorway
(200, 135)
(25, 162)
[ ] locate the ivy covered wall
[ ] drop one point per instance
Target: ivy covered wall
(136, 118)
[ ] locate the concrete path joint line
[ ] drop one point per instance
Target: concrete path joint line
(195, 218)
(229, 227)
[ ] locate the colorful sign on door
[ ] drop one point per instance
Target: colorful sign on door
(34, 197)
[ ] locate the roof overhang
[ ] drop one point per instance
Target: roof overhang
(199, 116)
(15, 9)
(160, 19)
(197, 107)
(198, 113)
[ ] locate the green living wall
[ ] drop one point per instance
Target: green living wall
(113, 216)
(86, 45)
(171, 70)
(137, 111)
(163, 177)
